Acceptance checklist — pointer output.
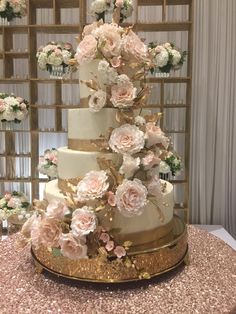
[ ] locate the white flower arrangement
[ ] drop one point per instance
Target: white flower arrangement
(48, 163)
(166, 57)
(10, 9)
(14, 203)
(13, 108)
(100, 7)
(54, 56)
(172, 164)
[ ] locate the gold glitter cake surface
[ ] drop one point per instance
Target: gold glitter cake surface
(206, 286)
(143, 261)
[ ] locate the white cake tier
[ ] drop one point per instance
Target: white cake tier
(154, 223)
(86, 125)
(73, 163)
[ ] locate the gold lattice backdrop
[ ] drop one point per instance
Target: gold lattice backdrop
(155, 20)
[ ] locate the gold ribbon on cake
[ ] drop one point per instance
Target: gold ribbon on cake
(95, 145)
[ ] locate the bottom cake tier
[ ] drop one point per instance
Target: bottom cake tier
(141, 262)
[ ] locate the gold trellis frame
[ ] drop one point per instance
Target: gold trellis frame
(31, 29)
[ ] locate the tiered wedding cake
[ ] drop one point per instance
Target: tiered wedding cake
(108, 208)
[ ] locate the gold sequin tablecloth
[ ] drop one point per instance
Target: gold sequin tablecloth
(208, 285)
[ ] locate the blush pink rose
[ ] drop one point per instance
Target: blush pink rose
(134, 47)
(28, 225)
(111, 199)
(131, 198)
(127, 139)
(110, 246)
(46, 231)
(150, 160)
(115, 62)
(23, 106)
(104, 237)
(130, 166)
(120, 251)
(7, 195)
(88, 29)
(2, 105)
(83, 221)
(119, 3)
(154, 186)
(154, 135)
(73, 248)
(122, 96)
(86, 50)
(93, 185)
(68, 46)
(11, 203)
(109, 38)
(57, 209)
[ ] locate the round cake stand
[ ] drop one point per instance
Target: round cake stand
(142, 262)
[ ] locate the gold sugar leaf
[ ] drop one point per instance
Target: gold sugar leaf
(153, 117)
(73, 62)
(90, 84)
(102, 252)
(125, 117)
(127, 244)
(42, 205)
(144, 275)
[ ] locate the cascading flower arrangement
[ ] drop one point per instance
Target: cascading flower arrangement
(10, 9)
(13, 108)
(48, 163)
(14, 204)
(80, 227)
(166, 57)
(55, 57)
(99, 8)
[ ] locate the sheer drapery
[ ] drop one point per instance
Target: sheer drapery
(213, 162)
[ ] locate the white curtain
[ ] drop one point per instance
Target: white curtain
(213, 151)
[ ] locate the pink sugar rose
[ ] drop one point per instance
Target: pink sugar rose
(104, 237)
(11, 203)
(86, 50)
(134, 47)
(57, 52)
(28, 225)
(154, 186)
(109, 246)
(46, 231)
(23, 106)
(93, 185)
(119, 3)
(150, 160)
(120, 251)
(122, 96)
(154, 135)
(131, 198)
(68, 46)
(73, 248)
(88, 29)
(127, 139)
(57, 209)
(109, 39)
(7, 196)
(83, 221)
(111, 199)
(19, 99)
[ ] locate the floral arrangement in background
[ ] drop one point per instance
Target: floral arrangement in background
(171, 164)
(14, 203)
(166, 57)
(13, 108)
(10, 9)
(100, 7)
(48, 163)
(55, 57)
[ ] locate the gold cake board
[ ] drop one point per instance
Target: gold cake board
(144, 261)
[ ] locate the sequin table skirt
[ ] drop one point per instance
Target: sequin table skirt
(207, 285)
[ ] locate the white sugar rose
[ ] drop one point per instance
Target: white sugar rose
(97, 101)
(150, 160)
(86, 50)
(130, 166)
(123, 79)
(108, 74)
(83, 222)
(139, 120)
(122, 96)
(93, 185)
(131, 198)
(134, 47)
(57, 209)
(73, 248)
(103, 66)
(154, 135)
(154, 186)
(162, 57)
(176, 56)
(127, 139)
